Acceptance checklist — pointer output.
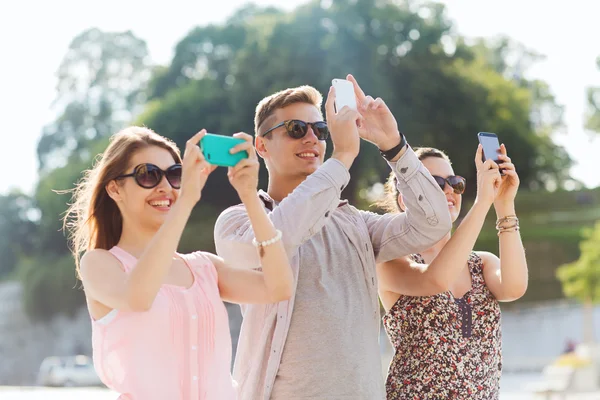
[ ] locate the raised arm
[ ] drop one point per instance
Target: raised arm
(507, 276)
(428, 220)
(275, 282)
(412, 279)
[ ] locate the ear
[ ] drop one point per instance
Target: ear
(401, 203)
(114, 190)
(260, 146)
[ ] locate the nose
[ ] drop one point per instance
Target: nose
(164, 185)
(447, 188)
(310, 136)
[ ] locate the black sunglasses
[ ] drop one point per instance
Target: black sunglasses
(457, 183)
(149, 176)
(297, 129)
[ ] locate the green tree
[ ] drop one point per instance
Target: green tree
(17, 226)
(101, 84)
(101, 88)
(441, 90)
(581, 278)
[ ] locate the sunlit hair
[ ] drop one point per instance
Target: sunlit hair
(267, 106)
(389, 202)
(93, 219)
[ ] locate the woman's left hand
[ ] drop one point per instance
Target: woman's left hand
(510, 180)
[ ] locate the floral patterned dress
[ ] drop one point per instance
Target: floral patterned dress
(446, 348)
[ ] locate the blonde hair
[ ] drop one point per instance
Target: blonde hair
(302, 94)
(93, 219)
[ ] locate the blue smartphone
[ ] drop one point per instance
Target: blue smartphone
(491, 147)
(215, 149)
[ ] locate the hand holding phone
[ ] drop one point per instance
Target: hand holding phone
(491, 147)
(215, 149)
(344, 94)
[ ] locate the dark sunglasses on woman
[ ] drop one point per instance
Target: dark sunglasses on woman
(149, 176)
(457, 183)
(297, 129)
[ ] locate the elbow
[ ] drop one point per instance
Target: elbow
(439, 229)
(515, 292)
(520, 291)
(281, 293)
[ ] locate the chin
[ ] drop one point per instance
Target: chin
(454, 213)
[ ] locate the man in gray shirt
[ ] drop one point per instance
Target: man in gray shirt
(323, 343)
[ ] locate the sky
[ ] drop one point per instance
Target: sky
(35, 37)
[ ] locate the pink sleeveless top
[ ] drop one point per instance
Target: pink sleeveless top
(178, 350)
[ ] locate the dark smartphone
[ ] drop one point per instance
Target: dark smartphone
(491, 147)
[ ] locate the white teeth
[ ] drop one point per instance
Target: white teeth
(306, 155)
(450, 203)
(162, 203)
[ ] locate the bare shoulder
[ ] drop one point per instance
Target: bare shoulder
(97, 261)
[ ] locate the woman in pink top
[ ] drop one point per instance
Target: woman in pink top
(159, 327)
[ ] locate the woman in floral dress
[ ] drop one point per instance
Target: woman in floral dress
(442, 306)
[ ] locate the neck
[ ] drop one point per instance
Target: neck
(434, 250)
(280, 186)
(135, 239)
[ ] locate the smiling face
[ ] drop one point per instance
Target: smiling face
(441, 167)
(285, 156)
(145, 208)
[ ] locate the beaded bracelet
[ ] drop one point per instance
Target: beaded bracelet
(269, 242)
(508, 218)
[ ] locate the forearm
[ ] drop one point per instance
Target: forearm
(149, 273)
(426, 221)
(454, 255)
(298, 216)
(513, 264)
(277, 273)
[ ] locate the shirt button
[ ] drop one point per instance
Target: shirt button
(194, 347)
(194, 317)
(195, 378)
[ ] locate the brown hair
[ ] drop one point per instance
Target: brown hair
(389, 202)
(93, 219)
(301, 94)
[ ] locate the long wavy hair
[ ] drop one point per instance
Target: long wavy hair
(93, 219)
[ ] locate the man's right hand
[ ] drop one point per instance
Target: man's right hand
(343, 127)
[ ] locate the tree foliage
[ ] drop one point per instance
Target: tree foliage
(441, 88)
(581, 278)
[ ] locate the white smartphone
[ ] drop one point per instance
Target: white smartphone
(344, 94)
